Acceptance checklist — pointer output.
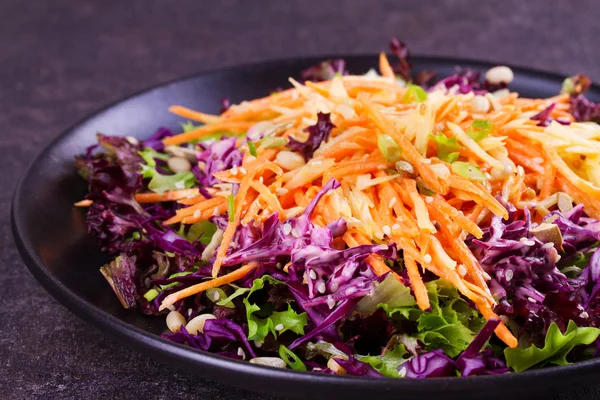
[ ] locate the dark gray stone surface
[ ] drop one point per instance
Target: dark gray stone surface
(60, 60)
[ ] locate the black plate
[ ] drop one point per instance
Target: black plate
(51, 237)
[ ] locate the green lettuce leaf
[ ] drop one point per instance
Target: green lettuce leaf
(160, 183)
(261, 320)
(202, 231)
(451, 324)
(556, 347)
(388, 363)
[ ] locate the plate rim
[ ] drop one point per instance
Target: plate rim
(150, 343)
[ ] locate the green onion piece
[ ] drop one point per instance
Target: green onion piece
(172, 284)
(216, 295)
(480, 129)
(271, 143)
(468, 171)
(151, 294)
(388, 148)
(169, 254)
(231, 207)
(136, 235)
(447, 148)
(252, 148)
(414, 94)
(291, 359)
(423, 190)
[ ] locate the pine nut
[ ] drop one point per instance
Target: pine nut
(179, 164)
(335, 367)
(196, 324)
(174, 321)
(274, 362)
(499, 74)
(480, 104)
(289, 160)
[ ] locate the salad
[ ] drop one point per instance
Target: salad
(381, 225)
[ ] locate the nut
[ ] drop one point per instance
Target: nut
(274, 362)
(196, 324)
(499, 74)
(174, 321)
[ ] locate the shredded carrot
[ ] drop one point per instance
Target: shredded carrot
(169, 195)
(83, 203)
(416, 282)
(213, 283)
(385, 67)
(194, 115)
(199, 133)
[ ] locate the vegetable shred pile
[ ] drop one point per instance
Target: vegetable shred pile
(389, 224)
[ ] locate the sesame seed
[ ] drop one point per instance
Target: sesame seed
(216, 211)
(392, 202)
(260, 179)
(386, 230)
(279, 327)
(241, 353)
(584, 314)
(547, 245)
(350, 291)
(257, 344)
(180, 185)
(531, 300)
(427, 258)
(462, 270)
(321, 287)
(234, 171)
(196, 213)
(243, 170)
(312, 274)
(402, 372)
(295, 232)
(287, 228)
(334, 287)
(428, 199)
(281, 191)
(330, 302)
(395, 227)
(509, 275)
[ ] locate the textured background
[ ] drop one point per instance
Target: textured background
(60, 60)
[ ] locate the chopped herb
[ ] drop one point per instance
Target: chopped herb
(447, 148)
(231, 207)
(252, 149)
(468, 171)
(151, 294)
(292, 360)
(172, 284)
(414, 94)
(388, 148)
(480, 129)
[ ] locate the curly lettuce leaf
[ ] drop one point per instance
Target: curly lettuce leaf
(261, 321)
(450, 324)
(388, 363)
(556, 347)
